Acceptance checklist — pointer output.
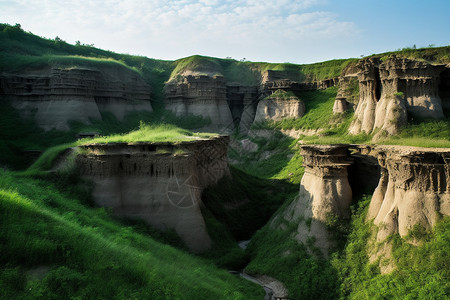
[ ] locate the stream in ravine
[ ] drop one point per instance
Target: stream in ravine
(265, 282)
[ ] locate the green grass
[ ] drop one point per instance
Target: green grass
(18, 134)
(151, 133)
(413, 279)
(20, 50)
(89, 254)
(250, 73)
(202, 64)
(281, 94)
(348, 273)
(284, 162)
(423, 133)
(274, 252)
(318, 114)
(244, 203)
(433, 55)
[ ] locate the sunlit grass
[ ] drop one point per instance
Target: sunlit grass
(151, 133)
(88, 253)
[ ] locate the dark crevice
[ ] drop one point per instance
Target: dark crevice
(377, 84)
(444, 91)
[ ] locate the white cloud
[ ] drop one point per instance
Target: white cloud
(173, 29)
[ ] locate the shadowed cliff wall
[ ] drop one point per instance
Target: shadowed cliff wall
(160, 183)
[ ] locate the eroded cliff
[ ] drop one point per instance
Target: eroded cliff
(161, 183)
(276, 108)
(200, 95)
(324, 193)
(389, 90)
(55, 95)
(413, 190)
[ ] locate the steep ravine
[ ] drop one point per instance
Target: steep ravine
(411, 191)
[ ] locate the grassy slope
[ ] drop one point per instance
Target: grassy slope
(21, 50)
(319, 115)
(90, 254)
(348, 273)
(17, 134)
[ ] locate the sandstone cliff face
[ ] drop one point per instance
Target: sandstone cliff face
(277, 108)
(324, 192)
(54, 96)
(160, 183)
(414, 189)
(281, 80)
(391, 89)
(200, 95)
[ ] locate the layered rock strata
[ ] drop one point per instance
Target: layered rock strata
(278, 108)
(324, 192)
(55, 96)
(161, 183)
(200, 95)
(281, 80)
(414, 189)
(391, 89)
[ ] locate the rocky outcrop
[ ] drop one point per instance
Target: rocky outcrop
(200, 95)
(281, 80)
(55, 96)
(348, 91)
(391, 89)
(161, 183)
(324, 192)
(275, 108)
(414, 189)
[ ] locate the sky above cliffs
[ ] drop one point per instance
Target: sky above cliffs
(296, 31)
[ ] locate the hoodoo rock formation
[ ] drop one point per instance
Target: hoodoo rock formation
(392, 89)
(161, 183)
(200, 95)
(54, 96)
(276, 108)
(228, 104)
(413, 189)
(324, 192)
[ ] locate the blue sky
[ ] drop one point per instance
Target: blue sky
(296, 31)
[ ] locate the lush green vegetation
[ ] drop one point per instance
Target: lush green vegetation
(83, 252)
(348, 273)
(424, 133)
(250, 73)
(281, 94)
(20, 49)
(333, 128)
(412, 279)
(434, 55)
(318, 115)
(18, 134)
(244, 203)
(277, 157)
(151, 133)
